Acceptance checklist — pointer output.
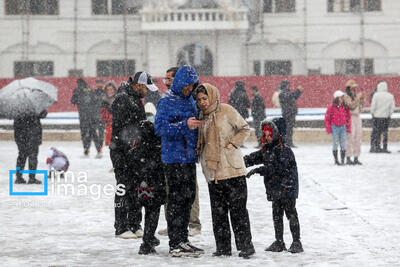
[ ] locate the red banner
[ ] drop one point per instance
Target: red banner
(318, 89)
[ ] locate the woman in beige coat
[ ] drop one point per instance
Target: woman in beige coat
(355, 102)
(222, 162)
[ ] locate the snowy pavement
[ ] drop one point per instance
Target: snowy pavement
(349, 215)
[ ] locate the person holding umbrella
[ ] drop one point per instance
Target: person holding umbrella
(25, 101)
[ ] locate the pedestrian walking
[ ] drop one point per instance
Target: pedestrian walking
(257, 112)
(240, 100)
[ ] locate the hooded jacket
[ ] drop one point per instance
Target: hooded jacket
(87, 102)
(279, 166)
(382, 105)
(178, 142)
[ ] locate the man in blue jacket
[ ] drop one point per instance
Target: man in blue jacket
(177, 125)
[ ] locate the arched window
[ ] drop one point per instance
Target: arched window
(197, 56)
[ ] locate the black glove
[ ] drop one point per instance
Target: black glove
(254, 171)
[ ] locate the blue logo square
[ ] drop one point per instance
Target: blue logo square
(45, 188)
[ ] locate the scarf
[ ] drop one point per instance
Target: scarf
(212, 150)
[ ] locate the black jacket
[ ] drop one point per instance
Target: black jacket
(28, 130)
(86, 99)
(150, 184)
(127, 111)
(240, 100)
(288, 101)
(258, 108)
(279, 170)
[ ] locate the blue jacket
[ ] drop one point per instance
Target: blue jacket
(178, 142)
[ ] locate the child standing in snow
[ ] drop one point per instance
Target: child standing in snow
(281, 181)
(337, 123)
(150, 187)
(57, 161)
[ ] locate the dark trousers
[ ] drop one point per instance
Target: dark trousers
(230, 196)
(101, 129)
(152, 214)
(181, 178)
(128, 212)
(380, 126)
(24, 153)
(287, 206)
(90, 130)
(290, 121)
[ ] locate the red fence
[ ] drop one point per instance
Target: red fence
(318, 90)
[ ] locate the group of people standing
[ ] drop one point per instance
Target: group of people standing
(191, 125)
(343, 121)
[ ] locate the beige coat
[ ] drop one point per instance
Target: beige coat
(356, 105)
(232, 128)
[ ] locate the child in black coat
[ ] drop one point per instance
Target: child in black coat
(281, 181)
(150, 187)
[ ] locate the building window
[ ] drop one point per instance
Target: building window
(353, 66)
(278, 67)
(198, 56)
(279, 6)
(99, 7)
(132, 6)
(33, 68)
(115, 67)
(353, 5)
(32, 7)
(257, 67)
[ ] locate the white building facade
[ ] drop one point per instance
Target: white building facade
(60, 38)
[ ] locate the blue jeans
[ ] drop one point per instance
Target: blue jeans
(338, 137)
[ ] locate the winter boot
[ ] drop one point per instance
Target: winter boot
(356, 161)
(220, 253)
(146, 249)
(385, 149)
(277, 246)
(335, 155)
(19, 179)
(349, 162)
(33, 180)
(247, 252)
(155, 242)
(342, 155)
(296, 247)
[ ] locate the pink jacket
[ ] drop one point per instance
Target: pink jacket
(337, 116)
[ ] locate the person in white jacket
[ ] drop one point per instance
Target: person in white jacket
(382, 107)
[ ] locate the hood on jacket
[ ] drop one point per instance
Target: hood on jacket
(184, 76)
(272, 125)
(239, 85)
(281, 125)
(382, 87)
(82, 83)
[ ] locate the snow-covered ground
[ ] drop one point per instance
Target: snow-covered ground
(349, 216)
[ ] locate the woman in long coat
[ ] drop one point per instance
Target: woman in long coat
(222, 162)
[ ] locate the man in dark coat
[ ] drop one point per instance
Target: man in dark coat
(240, 100)
(28, 136)
(177, 125)
(89, 115)
(128, 111)
(281, 182)
(257, 111)
(288, 103)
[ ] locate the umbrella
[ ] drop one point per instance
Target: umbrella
(25, 97)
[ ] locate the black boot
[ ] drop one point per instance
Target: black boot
(296, 247)
(356, 161)
(335, 155)
(349, 162)
(385, 150)
(33, 180)
(342, 155)
(277, 246)
(20, 180)
(146, 249)
(247, 252)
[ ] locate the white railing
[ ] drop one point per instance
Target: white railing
(194, 19)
